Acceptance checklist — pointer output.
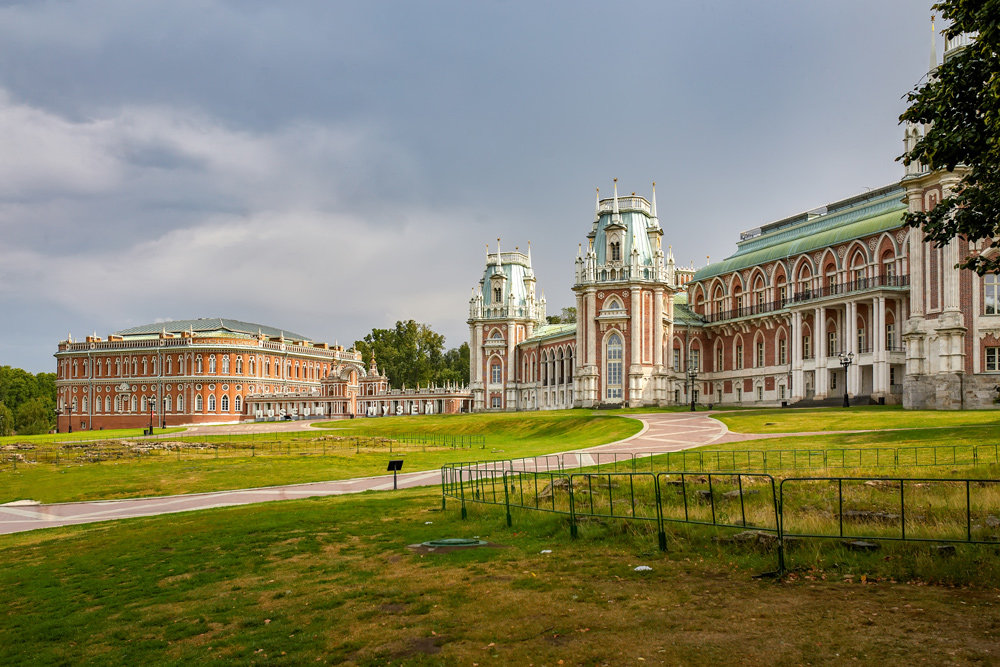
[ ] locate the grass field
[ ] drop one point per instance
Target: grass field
(332, 580)
(165, 472)
(82, 436)
(858, 418)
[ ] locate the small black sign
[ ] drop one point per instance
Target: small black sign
(395, 465)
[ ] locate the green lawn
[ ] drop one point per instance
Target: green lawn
(850, 419)
(332, 580)
(82, 436)
(161, 473)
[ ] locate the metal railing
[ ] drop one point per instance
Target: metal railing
(836, 289)
(938, 510)
(751, 460)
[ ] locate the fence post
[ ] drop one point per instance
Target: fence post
(779, 516)
(572, 509)
(443, 490)
(461, 488)
(662, 536)
(506, 498)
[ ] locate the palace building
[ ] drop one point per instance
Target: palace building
(842, 299)
(215, 370)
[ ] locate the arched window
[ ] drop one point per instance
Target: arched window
(496, 372)
(118, 403)
(199, 403)
(238, 403)
(118, 367)
(84, 403)
(166, 404)
(614, 351)
(267, 367)
(98, 368)
(107, 404)
(616, 251)
(135, 366)
(211, 402)
(133, 403)
(288, 370)
(108, 370)
(153, 365)
(170, 365)
(239, 365)
(211, 364)
(197, 365)
(252, 366)
(180, 403)
(225, 365)
(497, 295)
(225, 403)
(180, 364)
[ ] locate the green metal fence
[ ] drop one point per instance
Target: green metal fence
(851, 509)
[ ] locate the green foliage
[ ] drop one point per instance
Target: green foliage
(18, 386)
(6, 420)
(960, 106)
(33, 417)
(413, 353)
(567, 316)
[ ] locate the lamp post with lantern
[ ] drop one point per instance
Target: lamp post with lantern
(846, 360)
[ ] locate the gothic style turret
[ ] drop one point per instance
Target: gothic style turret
(504, 310)
(622, 288)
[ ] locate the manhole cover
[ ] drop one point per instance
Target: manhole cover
(454, 542)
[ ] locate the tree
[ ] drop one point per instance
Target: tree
(567, 316)
(6, 420)
(412, 354)
(33, 417)
(960, 106)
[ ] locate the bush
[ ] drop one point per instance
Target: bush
(32, 418)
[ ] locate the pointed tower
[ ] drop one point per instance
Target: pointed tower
(503, 311)
(622, 295)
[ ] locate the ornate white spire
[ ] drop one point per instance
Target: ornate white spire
(529, 254)
(597, 205)
(653, 203)
(615, 215)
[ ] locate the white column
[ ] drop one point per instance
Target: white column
(880, 372)
(591, 328)
(658, 328)
(850, 330)
(819, 336)
(798, 380)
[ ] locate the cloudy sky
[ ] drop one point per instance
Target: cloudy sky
(331, 167)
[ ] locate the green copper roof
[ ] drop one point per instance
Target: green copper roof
(550, 331)
(847, 220)
(683, 315)
(206, 324)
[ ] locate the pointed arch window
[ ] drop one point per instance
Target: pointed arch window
(198, 365)
(616, 251)
(239, 365)
(497, 295)
(225, 403)
(238, 403)
(167, 404)
(225, 365)
(107, 404)
(180, 403)
(199, 403)
(614, 353)
(211, 364)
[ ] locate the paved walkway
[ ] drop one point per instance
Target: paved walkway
(662, 432)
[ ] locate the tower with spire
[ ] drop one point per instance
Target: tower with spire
(624, 292)
(504, 310)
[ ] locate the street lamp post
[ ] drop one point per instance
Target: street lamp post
(692, 373)
(845, 361)
(152, 404)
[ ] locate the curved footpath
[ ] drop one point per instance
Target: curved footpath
(661, 432)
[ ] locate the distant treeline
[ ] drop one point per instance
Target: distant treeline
(413, 354)
(27, 402)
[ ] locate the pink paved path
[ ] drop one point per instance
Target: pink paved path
(662, 432)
